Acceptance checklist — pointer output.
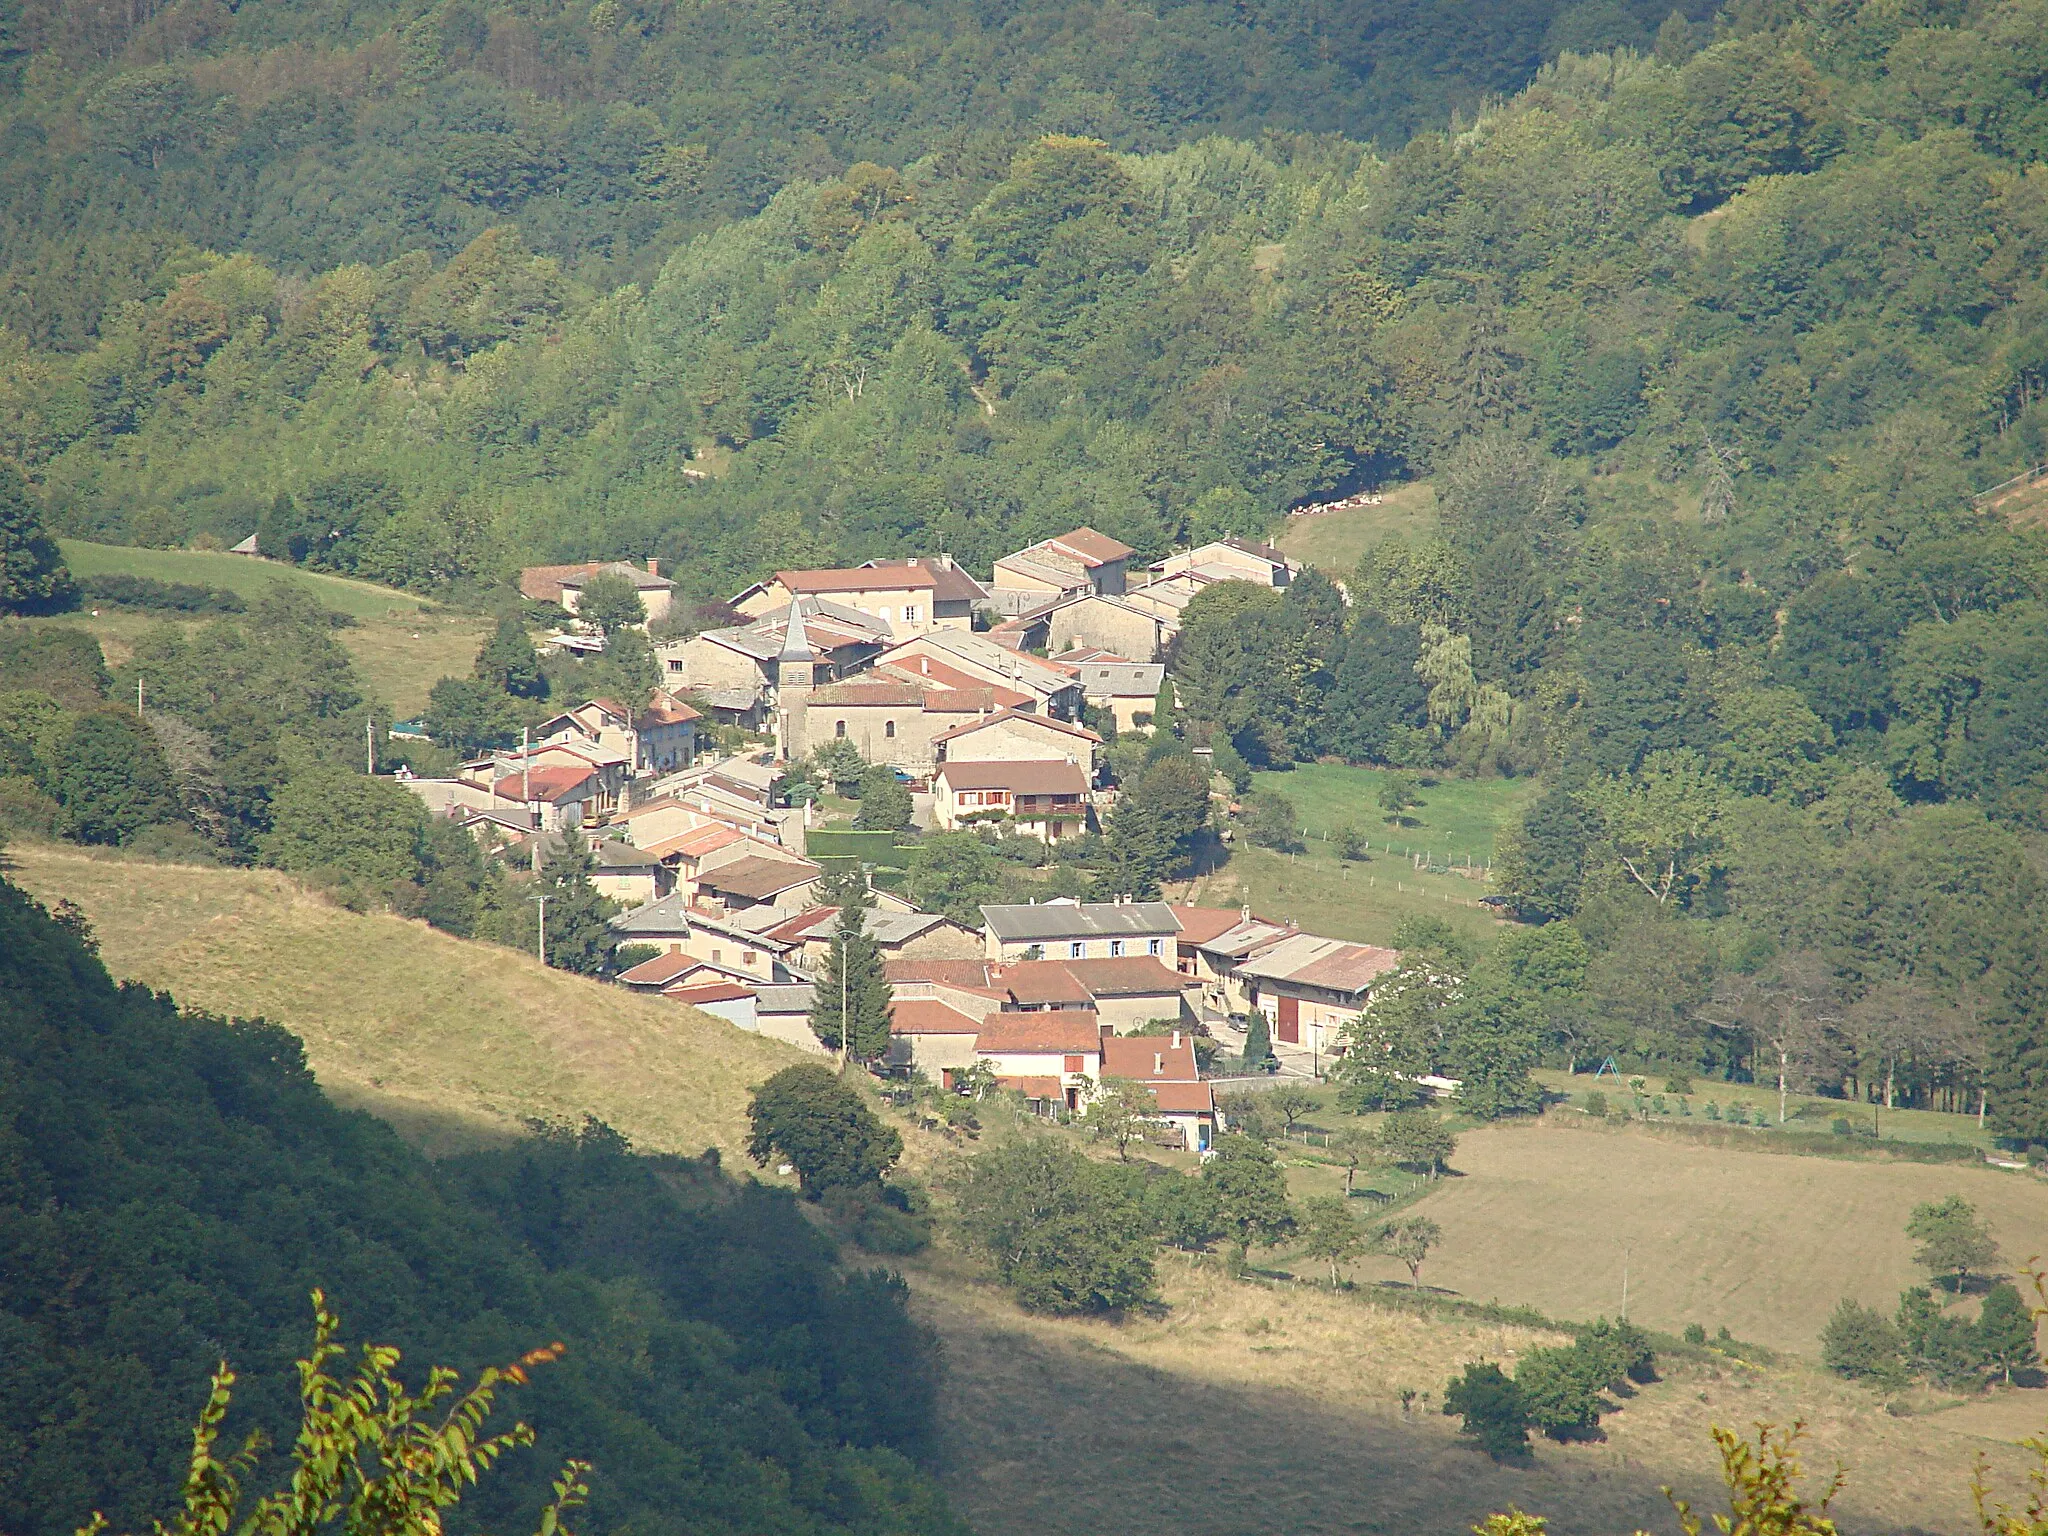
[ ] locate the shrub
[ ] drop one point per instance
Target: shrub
(1560, 1390)
(1061, 1233)
(1492, 1410)
(1840, 1126)
(163, 596)
(1859, 1342)
(1596, 1105)
(1695, 1333)
(1678, 1082)
(1622, 1350)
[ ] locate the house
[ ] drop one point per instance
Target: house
(585, 774)
(1046, 800)
(1126, 688)
(895, 722)
(1053, 1057)
(1310, 987)
(898, 935)
(1231, 559)
(931, 1036)
(957, 658)
(556, 796)
(625, 874)
(658, 739)
(758, 879)
(1076, 562)
(727, 1000)
(1130, 991)
(1213, 942)
(1116, 624)
(900, 598)
(956, 596)
(681, 930)
(744, 661)
(782, 1011)
(1063, 929)
(1013, 736)
(563, 584)
(1166, 1065)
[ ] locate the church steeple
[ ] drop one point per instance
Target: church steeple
(795, 671)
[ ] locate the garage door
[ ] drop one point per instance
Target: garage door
(1290, 1020)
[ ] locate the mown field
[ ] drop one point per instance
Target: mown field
(451, 1040)
(403, 644)
(1334, 541)
(1410, 864)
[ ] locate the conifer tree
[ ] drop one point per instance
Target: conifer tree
(579, 931)
(850, 1002)
(508, 663)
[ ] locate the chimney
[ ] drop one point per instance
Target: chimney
(1244, 913)
(945, 562)
(1105, 1031)
(653, 566)
(1159, 1063)
(1176, 1039)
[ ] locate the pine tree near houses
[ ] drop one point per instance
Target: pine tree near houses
(850, 1010)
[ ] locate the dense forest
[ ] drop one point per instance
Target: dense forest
(173, 1186)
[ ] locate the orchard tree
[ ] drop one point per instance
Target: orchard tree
(824, 1128)
(1123, 1111)
(1418, 1141)
(1409, 1239)
(1329, 1232)
(1251, 1193)
(1954, 1241)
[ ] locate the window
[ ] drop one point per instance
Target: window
(1116, 947)
(910, 613)
(718, 957)
(747, 956)
(1077, 951)
(889, 729)
(1075, 1064)
(839, 728)
(1151, 946)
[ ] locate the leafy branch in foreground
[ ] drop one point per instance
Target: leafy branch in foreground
(371, 1459)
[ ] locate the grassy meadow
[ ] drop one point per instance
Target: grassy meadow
(452, 1041)
(1432, 862)
(402, 644)
(1333, 542)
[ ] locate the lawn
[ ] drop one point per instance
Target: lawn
(452, 1041)
(1334, 541)
(1436, 865)
(402, 644)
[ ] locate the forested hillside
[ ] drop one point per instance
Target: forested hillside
(1789, 278)
(172, 1187)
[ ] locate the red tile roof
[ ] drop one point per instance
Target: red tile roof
(1034, 1087)
(861, 579)
(1094, 548)
(1149, 1058)
(757, 877)
(1066, 1031)
(871, 695)
(1040, 981)
(548, 784)
(929, 1016)
(543, 583)
(1185, 1098)
(1198, 925)
(695, 843)
(923, 668)
(660, 971)
(951, 583)
(1058, 727)
(950, 973)
(1125, 975)
(708, 992)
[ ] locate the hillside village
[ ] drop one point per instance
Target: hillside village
(975, 694)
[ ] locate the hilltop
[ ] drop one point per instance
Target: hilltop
(453, 1041)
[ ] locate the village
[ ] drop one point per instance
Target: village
(975, 695)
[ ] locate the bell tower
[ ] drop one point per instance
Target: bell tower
(795, 673)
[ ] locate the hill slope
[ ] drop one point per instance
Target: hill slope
(453, 1041)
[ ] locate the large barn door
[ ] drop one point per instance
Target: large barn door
(1290, 1021)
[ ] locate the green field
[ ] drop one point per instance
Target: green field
(1455, 824)
(1334, 541)
(402, 644)
(241, 574)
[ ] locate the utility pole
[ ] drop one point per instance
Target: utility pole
(541, 945)
(370, 745)
(138, 698)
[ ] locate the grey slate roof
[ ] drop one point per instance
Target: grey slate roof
(668, 915)
(785, 1000)
(1047, 920)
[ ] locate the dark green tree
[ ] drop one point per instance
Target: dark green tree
(955, 874)
(580, 936)
(32, 574)
(1056, 1228)
(885, 804)
(1271, 821)
(850, 1010)
(1374, 688)
(507, 661)
(1417, 1140)
(469, 717)
(1258, 1042)
(111, 779)
(1330, 1232)
(1541, 865)
(1494, 1038)
(610, 603)
(1492, 1410)
(329, 820)
(823, 1127)
(1860, 1342)
(1561, 1390)
(2005, 1332)
(1251, 1193)
(1955, 1242)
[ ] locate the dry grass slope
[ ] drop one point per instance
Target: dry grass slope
(452, 1041)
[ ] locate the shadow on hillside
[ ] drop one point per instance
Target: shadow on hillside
(1050, 1436)
(432, 1129)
